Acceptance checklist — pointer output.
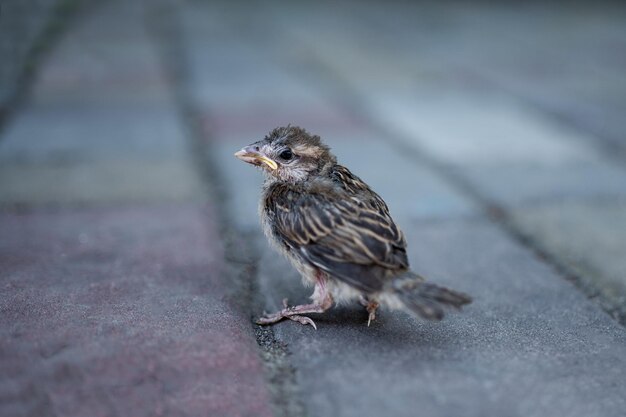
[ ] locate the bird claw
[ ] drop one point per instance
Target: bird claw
(371, 307)
(303, 320)
(287, 312)
(371, 317)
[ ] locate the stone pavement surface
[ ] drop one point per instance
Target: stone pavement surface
(113, 298)
(131, 258)
(25, 29)
(121, 311)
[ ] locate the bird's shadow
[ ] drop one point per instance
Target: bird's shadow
(394, 330)
(347, 323)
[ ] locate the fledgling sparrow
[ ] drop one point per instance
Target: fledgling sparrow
(336, 232)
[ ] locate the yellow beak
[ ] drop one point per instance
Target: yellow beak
(252, 156)
(270, 163)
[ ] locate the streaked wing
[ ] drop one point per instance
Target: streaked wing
(349, 235)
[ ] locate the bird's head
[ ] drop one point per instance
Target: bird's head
(289, 154)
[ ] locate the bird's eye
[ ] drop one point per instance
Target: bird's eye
(286, 155)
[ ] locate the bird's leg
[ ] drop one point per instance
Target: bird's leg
(371, 307)
(322, 301)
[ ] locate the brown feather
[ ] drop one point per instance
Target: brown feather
(340, 225)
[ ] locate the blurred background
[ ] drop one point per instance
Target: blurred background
(510, 111)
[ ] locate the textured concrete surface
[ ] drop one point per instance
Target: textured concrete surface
(22, 38)
(122, 312)
(82, 139)
(115, 296)
(589, 236)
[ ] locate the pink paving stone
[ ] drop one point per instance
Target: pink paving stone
(122, 311)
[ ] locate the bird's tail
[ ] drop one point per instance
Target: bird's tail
(425, 299)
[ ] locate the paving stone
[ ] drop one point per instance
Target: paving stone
(529, 345)
(101, 126)
(117, 308)
(465, 130)
(227, 69)
(100, 182)
(23, 28)
(565, 64)
(122, 311)
(564, 60)
(236, 80)
(96, 154)
(107, 57)
(94, 132)
(586, 236)
(524, 185)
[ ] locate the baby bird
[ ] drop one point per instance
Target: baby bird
(336, 232)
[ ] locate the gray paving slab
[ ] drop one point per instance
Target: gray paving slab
(122, 311)
(96, 154)
(511, 155)
(23, 30)
(525, 185)
(589, 237)
(226, 69)
(466, 128)
(529, 345)
(238, 86)
(107, 57)
(113, 295)
(92, 132)
(101, 125)
(583, 84)
(100, 182)
(563, 59)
